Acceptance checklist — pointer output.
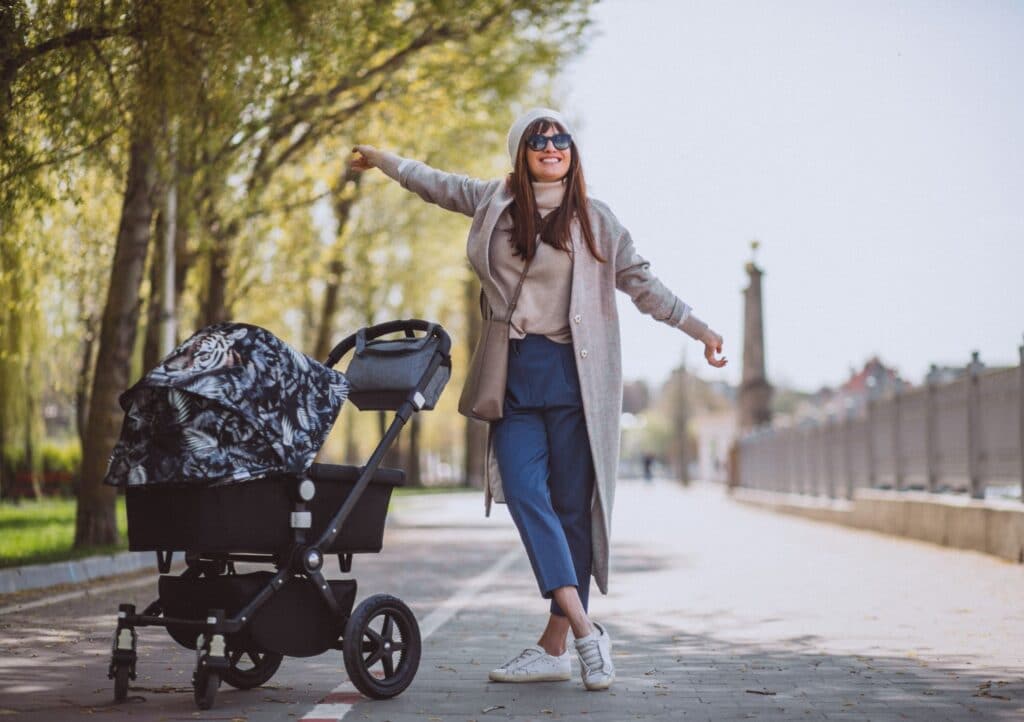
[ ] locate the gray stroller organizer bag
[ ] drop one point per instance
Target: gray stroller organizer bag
(383, 372)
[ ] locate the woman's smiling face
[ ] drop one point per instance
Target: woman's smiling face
(549, 164)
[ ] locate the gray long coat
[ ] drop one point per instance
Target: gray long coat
(593, 316)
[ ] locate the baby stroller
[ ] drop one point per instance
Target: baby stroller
(215, 456)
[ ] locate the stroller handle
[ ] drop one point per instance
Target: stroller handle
(408, 326)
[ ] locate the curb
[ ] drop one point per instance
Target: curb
(79, 571)
(38, 576)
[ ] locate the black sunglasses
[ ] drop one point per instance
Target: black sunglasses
(539, 142)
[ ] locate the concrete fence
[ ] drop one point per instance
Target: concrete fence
(964, 435)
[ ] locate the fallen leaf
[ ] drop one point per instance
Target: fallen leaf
(165, 689)
(485, 710)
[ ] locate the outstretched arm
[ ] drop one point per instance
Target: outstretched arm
(451, 191)
(634, 277)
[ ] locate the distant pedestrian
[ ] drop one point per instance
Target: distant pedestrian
(554, 454)
(648, 467)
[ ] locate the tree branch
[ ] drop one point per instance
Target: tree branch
(57, 159)
(67, 40)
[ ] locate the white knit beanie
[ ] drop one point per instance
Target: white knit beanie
(515, 133)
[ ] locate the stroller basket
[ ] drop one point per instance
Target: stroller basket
(310, 630)
(254, 517)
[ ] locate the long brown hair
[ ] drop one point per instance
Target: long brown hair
(556, 227)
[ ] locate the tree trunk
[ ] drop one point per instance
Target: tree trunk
(215, 309)
(393, 456)
(31, 437)
(344, 200)
(96, 523)
(154, 305)
(184, 260)
(413, 471)
(680, 421)
(324, 338)
(4, 490)
(351, 445)
(11, 42)
(88, 345)
(476, 431)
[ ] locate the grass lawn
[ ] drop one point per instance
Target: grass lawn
(416, 490)
(36, 532)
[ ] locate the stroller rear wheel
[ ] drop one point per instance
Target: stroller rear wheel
(250, 668)
(381, 646)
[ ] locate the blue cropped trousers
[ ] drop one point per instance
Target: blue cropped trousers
(547, 472)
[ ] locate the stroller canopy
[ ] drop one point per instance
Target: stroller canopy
(231, 403)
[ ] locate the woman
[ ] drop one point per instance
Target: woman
(553, 455)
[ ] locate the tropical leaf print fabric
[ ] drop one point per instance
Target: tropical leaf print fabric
(231, 403)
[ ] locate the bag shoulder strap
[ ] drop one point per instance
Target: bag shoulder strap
(542, 224)
(519, 287)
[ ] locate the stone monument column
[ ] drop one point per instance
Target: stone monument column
(755, 392)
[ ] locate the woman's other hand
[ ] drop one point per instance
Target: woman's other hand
(713, 344)
(366, 157)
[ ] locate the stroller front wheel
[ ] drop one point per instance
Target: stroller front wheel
(204, 687)
(121, 674)
(381, 646)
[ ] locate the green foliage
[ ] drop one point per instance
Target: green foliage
(58, 465)
(61, 457)
(262, 102)
(37, 532)
(13, 459)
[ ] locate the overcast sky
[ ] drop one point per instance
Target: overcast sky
(874, 148)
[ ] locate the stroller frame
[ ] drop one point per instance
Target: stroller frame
(301, 562)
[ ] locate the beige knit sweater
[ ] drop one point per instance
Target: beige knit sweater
(543, 306)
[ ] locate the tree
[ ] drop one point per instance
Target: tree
(55, 109)
(94, 521)
(157, 93)
(267, 98)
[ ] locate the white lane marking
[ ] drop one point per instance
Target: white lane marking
(451, 606)
(435, 620)
(331, 711)
(58, 598)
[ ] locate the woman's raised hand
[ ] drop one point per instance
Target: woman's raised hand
(366, 156)
(712, 344)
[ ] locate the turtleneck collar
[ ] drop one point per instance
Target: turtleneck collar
(548, 195)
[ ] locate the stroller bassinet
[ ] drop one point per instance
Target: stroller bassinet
(216, 458)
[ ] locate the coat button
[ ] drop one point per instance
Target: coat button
(583, 353)
(577, 318)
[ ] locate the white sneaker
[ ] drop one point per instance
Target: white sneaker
(533, 664)
(595, 653)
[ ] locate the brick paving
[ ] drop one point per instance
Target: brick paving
(718, 611)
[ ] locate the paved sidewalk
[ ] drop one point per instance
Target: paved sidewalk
(722, 612)
(718, 612)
